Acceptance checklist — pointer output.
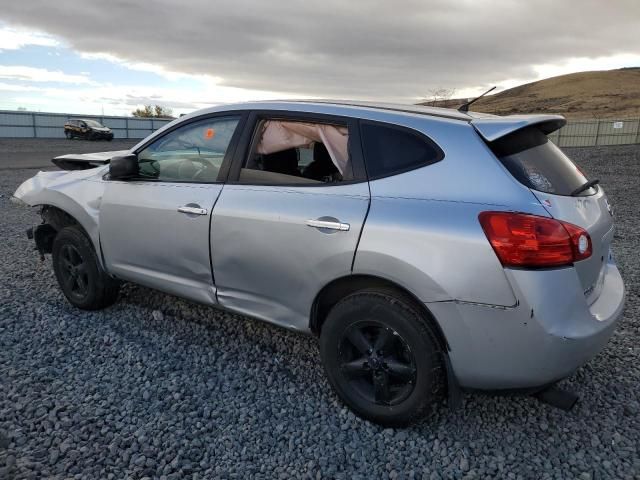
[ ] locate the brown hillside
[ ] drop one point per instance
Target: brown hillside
(603, 94)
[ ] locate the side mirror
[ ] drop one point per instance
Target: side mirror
(123, 167)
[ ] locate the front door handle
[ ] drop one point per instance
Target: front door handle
(343, 227)
(192, 210)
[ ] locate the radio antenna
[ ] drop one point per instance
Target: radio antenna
(465, 106)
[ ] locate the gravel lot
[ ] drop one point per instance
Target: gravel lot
(159, 387)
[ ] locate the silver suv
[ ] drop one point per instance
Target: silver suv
(428, 249)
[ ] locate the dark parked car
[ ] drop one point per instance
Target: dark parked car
(87, 129)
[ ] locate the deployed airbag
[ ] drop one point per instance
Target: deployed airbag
(279, 135)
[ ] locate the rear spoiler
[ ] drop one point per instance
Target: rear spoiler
(84, 161)
(492, 128)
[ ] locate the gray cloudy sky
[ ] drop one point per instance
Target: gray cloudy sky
(393, 50)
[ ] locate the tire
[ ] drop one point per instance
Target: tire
(80, 277)
(398, 387)
(68, 135)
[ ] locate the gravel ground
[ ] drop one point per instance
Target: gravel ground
(18, 153)
(159, 387)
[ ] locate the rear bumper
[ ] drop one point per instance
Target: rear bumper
(549, 334)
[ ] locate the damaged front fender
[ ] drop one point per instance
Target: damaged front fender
(78, 193)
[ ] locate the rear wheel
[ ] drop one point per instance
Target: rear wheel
(382, 357)
(67, 134)
(80, 276)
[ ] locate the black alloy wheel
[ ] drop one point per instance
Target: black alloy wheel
(74, 272)
(382, 356)
(79, 273)
(377, 363)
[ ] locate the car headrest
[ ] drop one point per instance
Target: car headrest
(285, 162)
(321, 154)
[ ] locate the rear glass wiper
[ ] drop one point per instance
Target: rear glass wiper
(585, 186)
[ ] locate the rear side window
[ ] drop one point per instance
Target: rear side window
(291, 152)
(389, 149)
(537, 163)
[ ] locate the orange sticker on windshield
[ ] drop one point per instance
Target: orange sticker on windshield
(209, 133)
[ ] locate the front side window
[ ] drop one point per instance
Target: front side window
(298, 152)
(192, 153)
(389, 150)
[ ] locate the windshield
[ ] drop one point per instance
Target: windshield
(93, 123)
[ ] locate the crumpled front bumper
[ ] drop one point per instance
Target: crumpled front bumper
(102, 135)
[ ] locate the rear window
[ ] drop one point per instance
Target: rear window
(389, 149)
(537, 163)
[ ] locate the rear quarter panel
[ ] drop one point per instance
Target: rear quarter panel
(422, 230)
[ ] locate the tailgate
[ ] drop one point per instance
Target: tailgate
(533, 160)
(592, 213)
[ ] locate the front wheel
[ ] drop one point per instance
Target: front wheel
(382, 357)
(80, 276)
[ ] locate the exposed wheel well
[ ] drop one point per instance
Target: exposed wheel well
(54, 219)
(57, 217)
(340, 288)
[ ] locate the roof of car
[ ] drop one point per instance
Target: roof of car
(489, 126)
(395, 107)
(391, 107)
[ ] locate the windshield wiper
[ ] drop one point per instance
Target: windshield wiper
(585, 186)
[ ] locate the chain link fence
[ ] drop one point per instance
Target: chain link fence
(589, 133)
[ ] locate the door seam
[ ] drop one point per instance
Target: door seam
(364, 222)
(213, 276)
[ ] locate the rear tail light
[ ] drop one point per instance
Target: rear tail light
(522, 240)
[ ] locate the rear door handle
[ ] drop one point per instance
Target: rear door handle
(192, 210)
(343, 227)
